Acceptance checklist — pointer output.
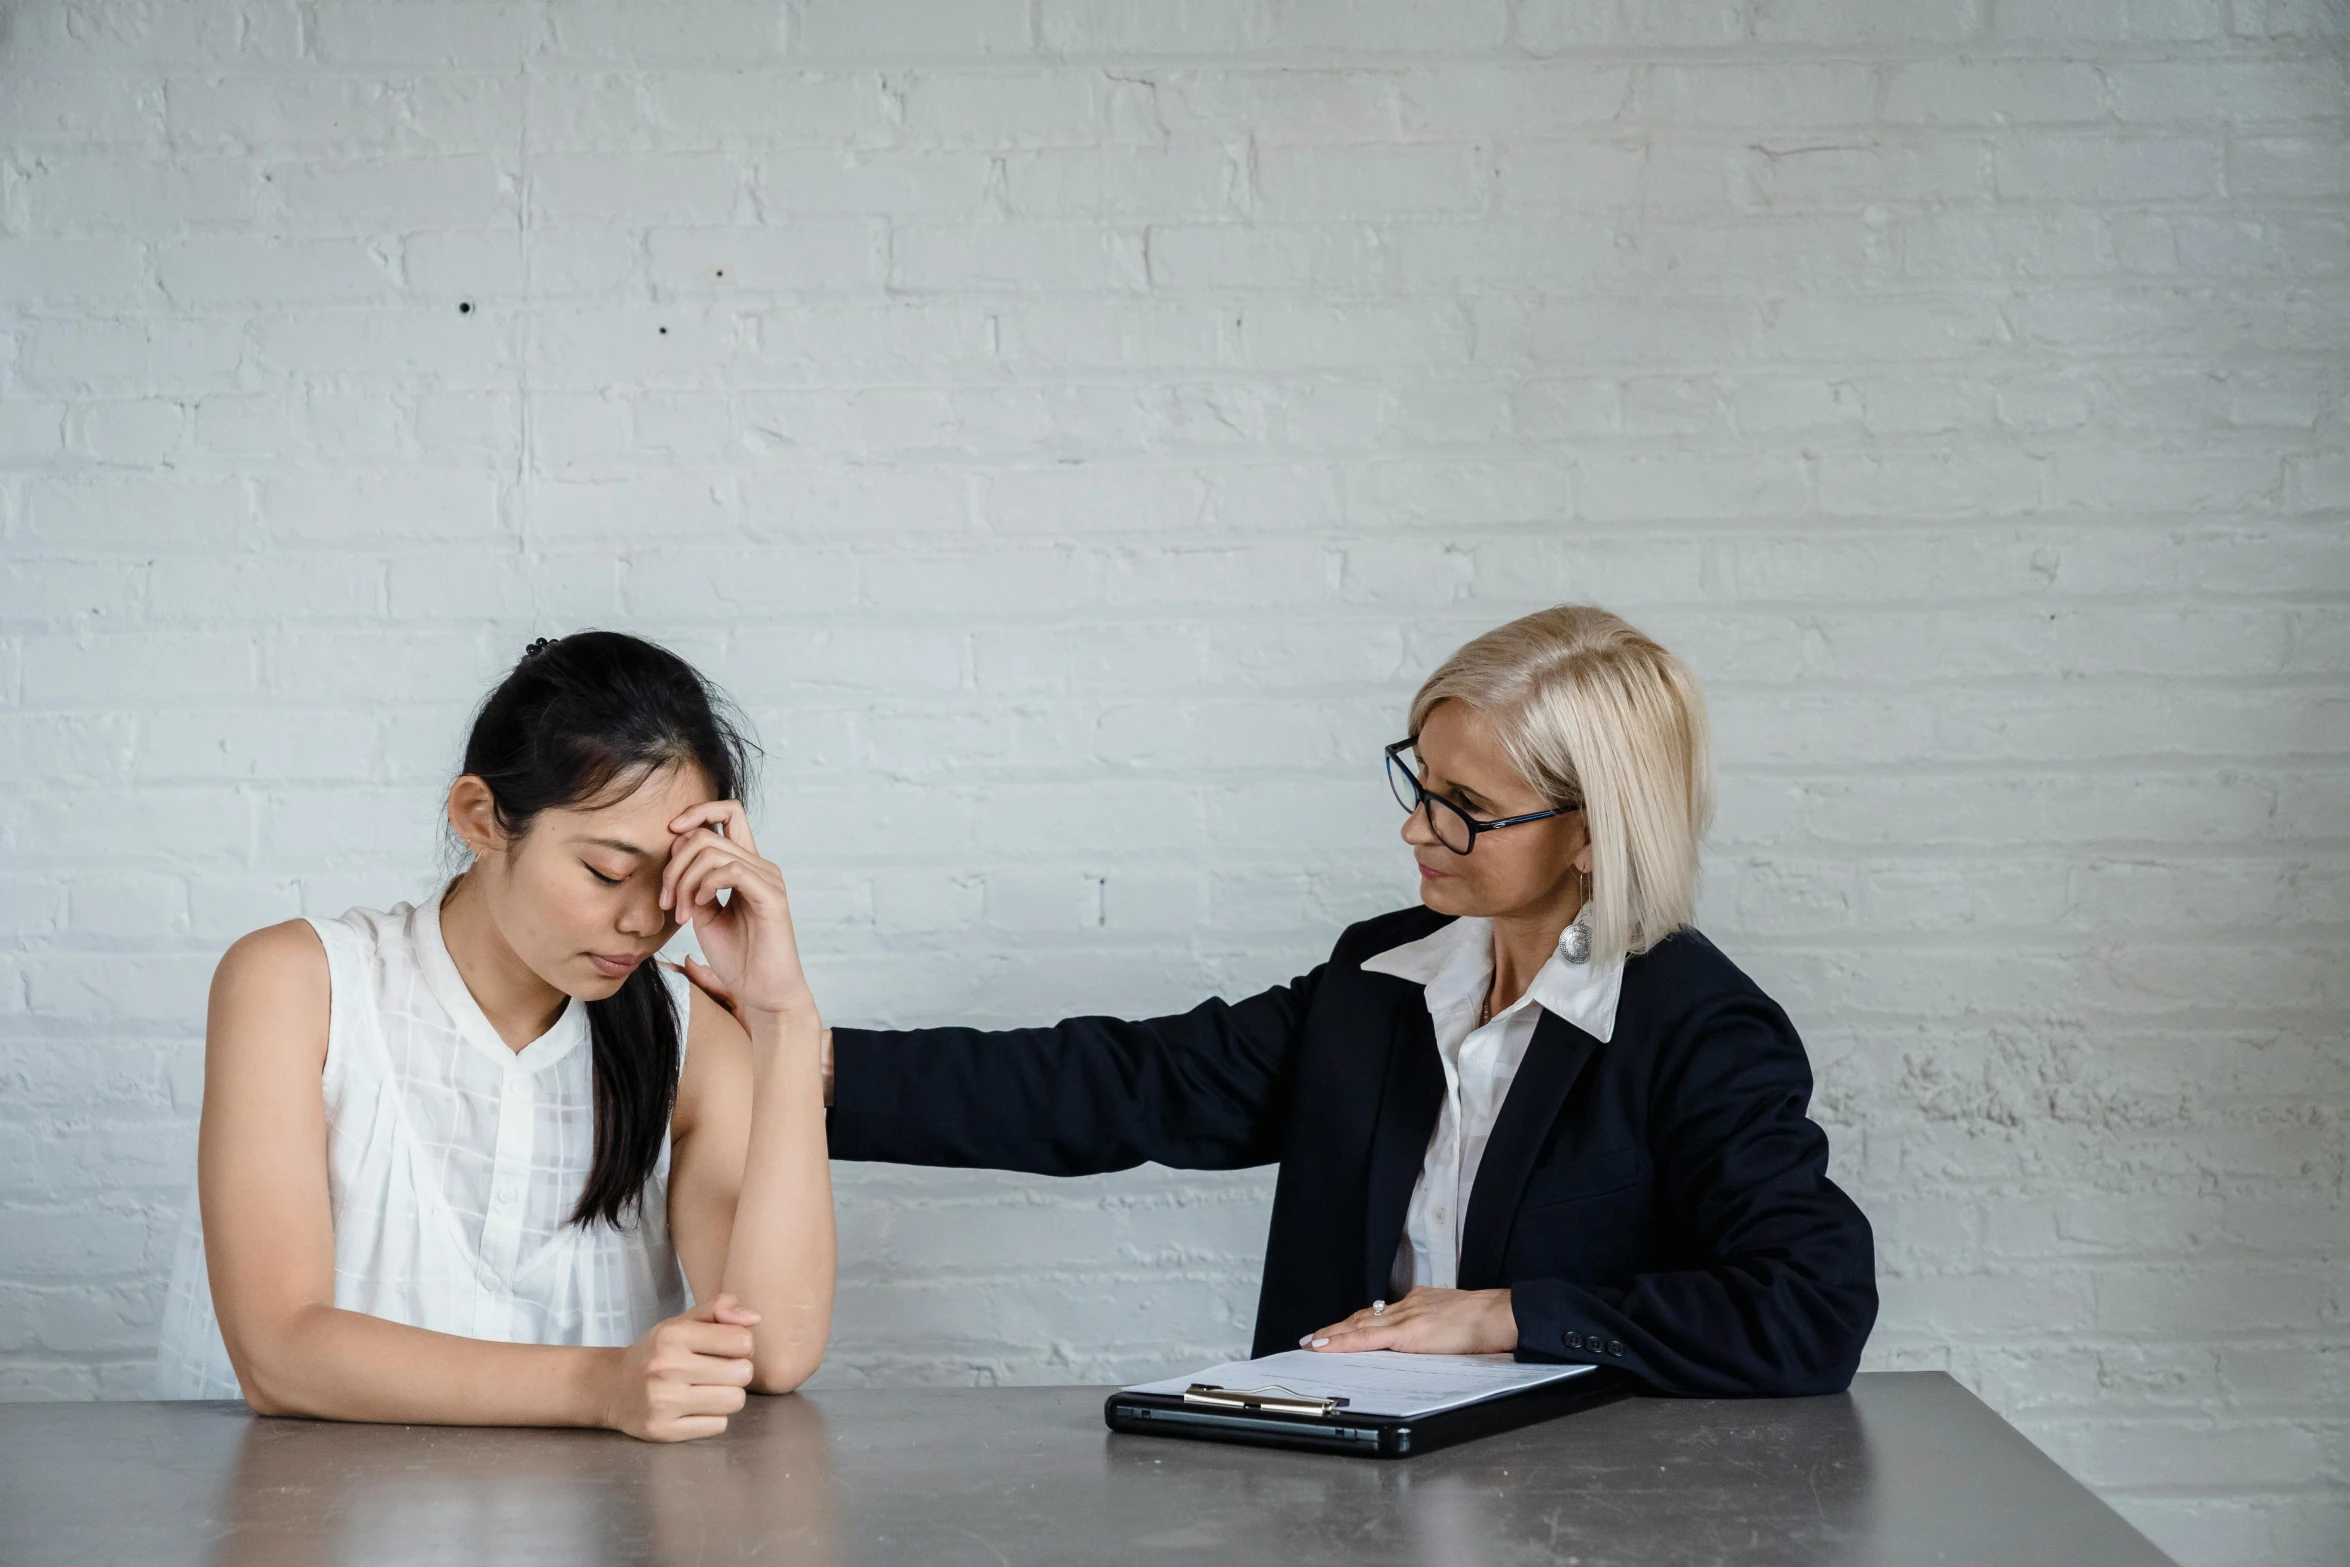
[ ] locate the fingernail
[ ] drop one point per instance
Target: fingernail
(1318, 1343)
(1303, 1342)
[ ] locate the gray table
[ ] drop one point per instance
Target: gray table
(1906, 1468)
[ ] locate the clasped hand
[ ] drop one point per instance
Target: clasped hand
(1426, 1322)
(684, 1377)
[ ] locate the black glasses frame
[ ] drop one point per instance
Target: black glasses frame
(1422, 800)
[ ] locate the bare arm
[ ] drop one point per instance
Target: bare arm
(753, 1197)
(269, 1244)
(750, 1191)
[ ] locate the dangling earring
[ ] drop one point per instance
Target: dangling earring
(1575, 945)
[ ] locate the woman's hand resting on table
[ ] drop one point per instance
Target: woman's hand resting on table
(684, 1377)
(1426, 1322)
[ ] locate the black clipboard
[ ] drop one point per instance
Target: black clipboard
(1213, 1414)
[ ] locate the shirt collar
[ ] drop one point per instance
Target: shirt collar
(1455, 961)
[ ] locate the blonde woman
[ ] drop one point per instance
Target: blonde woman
(1538, 1113)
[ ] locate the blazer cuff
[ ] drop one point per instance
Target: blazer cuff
(859, 1108)
(1570, 1323)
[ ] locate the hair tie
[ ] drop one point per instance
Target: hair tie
(538, 647)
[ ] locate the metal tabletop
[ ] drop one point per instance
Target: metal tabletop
(1906, 1468)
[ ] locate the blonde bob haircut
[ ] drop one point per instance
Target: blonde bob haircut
(1594, 713)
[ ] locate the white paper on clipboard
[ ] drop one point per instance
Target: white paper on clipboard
(1376, 1381)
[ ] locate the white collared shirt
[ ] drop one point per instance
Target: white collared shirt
(1456, 966)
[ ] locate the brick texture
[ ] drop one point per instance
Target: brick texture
(1072, 427)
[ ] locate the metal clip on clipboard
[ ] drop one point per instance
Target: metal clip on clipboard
(1274, 1400)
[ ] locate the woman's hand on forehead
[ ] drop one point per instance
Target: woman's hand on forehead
(747, 938)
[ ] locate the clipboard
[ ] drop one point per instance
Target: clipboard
(1272, 1416)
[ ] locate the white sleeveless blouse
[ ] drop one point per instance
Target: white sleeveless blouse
(453, 1164)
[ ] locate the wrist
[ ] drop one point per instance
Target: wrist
(589, 1396)
(790, 1041)
(787, 1018)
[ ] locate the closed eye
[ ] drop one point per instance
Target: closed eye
(609, 881)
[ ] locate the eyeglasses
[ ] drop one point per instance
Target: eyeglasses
(1455, 828)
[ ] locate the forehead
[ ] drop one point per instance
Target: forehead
(1460, 743)
(1456, 734)
(653, 797)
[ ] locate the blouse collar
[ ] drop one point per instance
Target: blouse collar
(1455, 963)
(448, 987)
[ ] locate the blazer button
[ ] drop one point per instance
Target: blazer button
(1615, 1347)
(1574, 1341)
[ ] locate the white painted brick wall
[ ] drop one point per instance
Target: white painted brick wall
(1073, 426)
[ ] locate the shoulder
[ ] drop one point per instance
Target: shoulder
(275, 957)
(1690, 969)
(1686, 999)
(1381, 933)
(271, 993)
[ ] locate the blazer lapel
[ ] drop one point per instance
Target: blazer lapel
(1554, 1058)
(1408, 1103)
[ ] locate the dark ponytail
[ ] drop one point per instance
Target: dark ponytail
(581, 716)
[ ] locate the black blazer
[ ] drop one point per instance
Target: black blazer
(1658, 1203)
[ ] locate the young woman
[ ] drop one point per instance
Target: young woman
(461, 1163)
(1536, 1113)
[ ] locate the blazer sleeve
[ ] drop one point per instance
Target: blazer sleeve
(1203, 1090)
(1780, 1289)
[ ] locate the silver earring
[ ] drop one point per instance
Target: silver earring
(1575, 944)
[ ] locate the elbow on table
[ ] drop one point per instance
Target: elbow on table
(265, 1390)
(1824, 1350)
(1807, 1380)
(1801, 1344)
(784, 1372)
(1778, 1372)
(276, 1362)
(261, 1403)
